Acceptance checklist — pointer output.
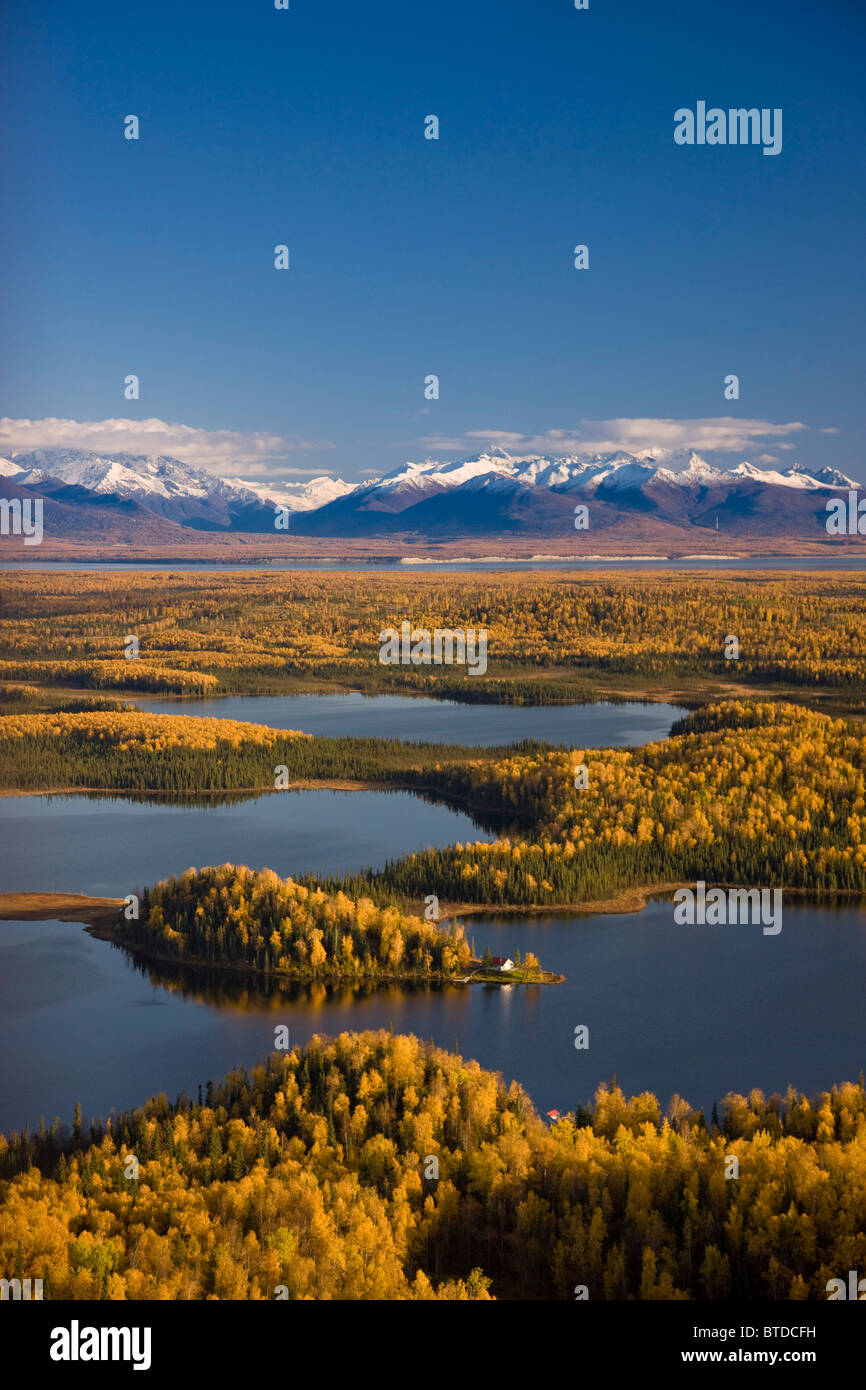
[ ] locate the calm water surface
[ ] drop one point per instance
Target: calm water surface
(692, 1010)
(602, 725)
(111, 846)
(807, 563)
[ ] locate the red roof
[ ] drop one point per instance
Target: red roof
(553, 1115)
(499, 960)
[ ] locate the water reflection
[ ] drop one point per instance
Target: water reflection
(228, 989)
(110, 845)
(697, 1011)
(495, 822)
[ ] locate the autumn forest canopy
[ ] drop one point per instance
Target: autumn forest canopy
(309, 1176)
(750, 793)
(260, 922)
(551, 637)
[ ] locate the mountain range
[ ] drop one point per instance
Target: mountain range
(656, 494)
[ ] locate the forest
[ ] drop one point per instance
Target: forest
(551, 637)
(126, 750)
(766, 794)
(310, 1177)
(257, 921)
(755, 794)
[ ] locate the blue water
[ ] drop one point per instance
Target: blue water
(807, 563)
(602, 725)
(692, 1010)
(108, 846)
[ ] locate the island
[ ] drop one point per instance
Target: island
(252, 921)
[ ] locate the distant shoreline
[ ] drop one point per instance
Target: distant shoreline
(96, 912)
(843, 550)
(334, 784)
(63, 907)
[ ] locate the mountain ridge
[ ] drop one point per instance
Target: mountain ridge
(651, 493)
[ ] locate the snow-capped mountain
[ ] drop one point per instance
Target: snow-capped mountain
(298, 497)
(499, 492)
(795, 476)
(488, 493)
(620, 471)
(824, 477)
(163, 485)
(171, 489)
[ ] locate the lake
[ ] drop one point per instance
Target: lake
(108, 846)
(602, 725)
(805, 563)
(696, 1010)
(693, 1010)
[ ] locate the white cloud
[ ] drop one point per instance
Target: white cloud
(222, 451)
(767, 458)
(715, 435)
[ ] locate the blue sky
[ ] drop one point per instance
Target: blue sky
(410, 256)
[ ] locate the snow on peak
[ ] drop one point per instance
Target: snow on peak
(831, 477)
(299, 497)
(588, 472)
(452, 474)
(123, 475)
(795, 476)
(191, 495)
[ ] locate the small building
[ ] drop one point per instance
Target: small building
(554, 1115)
(501, 963)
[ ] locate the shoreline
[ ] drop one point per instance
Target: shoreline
(240, 550)
(97, 912)
(61, 907)
(633, 899)
(98, 917)
(338, 784)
